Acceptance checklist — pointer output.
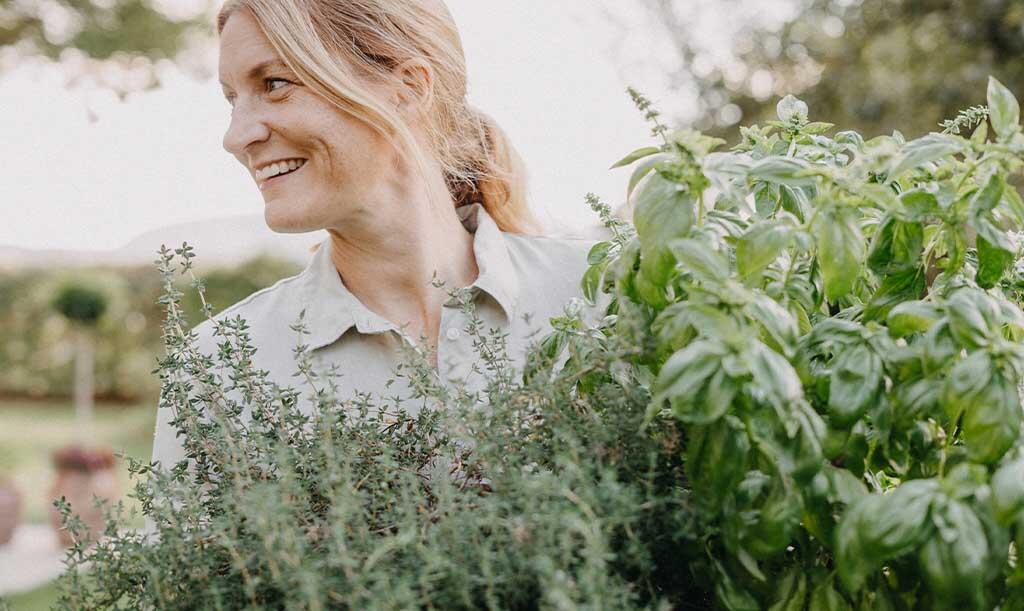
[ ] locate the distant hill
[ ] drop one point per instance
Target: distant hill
(223, 241)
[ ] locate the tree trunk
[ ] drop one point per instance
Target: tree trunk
(83, 384)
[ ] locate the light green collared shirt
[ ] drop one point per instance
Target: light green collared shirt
(523, 282)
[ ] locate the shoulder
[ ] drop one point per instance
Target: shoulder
(550, 269)
(549, 252)
(267, 311)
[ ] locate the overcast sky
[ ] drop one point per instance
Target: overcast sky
(551, 73)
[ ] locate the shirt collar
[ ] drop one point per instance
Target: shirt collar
(331, 309)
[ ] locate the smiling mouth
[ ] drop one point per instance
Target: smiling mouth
(266, 184)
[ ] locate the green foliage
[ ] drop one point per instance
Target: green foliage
(803, 394)
(80, 303)
(35, 338)
(914, 63)
(98, 29)
(838, 335)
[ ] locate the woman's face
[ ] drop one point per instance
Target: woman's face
(274, 118)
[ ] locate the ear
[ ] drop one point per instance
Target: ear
(417, 86)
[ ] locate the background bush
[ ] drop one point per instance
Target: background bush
(36, 348)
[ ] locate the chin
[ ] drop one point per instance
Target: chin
(286, 221)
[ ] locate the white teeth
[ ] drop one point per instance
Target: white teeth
(281, 167)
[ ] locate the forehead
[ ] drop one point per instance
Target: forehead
(243, 47)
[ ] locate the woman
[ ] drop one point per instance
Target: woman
(352, 117)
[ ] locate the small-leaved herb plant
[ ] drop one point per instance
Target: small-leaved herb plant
(803, 394)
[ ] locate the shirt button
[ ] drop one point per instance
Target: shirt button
(452, 334)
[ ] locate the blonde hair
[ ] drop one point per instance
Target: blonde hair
(330, 44)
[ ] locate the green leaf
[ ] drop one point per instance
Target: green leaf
(853, 563)
(700, 259)
(776, 320)
(912, 317)
(991, 424)
(965, 384)
(732, 596)
(826, 598)
(1007, 488)
(992, 263)
(648, 165)
(777, 518)
(817, 127)
(854, 384)
(693, 381)
(896, 246)
(795, 201)
(760, 246)
(598, 252)
(844, 487)
(988, 197)
(640, 153)
(954, 564)
(903, 523)
(782, 170)
(716, 460)
(918, 204)
(840, 252)
(924, 150)
(791, 593)
(974, 317)
(1014, 204)
(1004, 111)
(664, 211)
(727, 172)
(591, 282)
(775, 380)
(896, 287)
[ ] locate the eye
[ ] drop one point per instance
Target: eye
(270, 83)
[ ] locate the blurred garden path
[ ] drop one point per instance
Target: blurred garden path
(32, 558)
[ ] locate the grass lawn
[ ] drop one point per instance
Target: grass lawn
(31, 430)
(40, 599)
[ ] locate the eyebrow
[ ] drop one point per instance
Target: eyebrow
(261, 68)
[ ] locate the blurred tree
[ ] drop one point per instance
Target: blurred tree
(98, 28)
(867, 65)
(106, 36)
(83, 306)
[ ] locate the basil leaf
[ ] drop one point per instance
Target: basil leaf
(1003, 109)
(926, 149)
(840, 252)
(992, 421)
(759, 247)
(954, 564)
(635, 155)
(993, 262)
(716, 460)
(854, 384)
(912, 317)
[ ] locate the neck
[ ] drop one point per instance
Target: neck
(389, 257)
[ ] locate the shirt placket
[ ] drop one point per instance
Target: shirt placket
(454, 346)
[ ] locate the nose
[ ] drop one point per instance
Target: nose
(245, 129)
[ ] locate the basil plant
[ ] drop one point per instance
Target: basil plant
(835, 325)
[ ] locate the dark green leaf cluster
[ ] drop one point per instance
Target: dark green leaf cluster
(838, 335)
(80, 303)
